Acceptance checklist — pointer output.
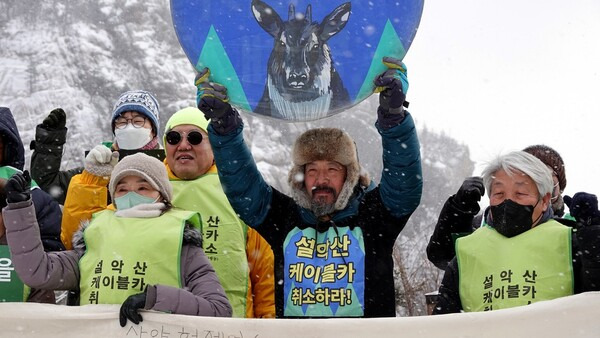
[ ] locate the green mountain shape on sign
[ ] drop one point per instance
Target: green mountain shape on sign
(214, 56)
(389, 45)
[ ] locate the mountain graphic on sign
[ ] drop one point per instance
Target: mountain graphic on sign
(389, 45)
(214, 56)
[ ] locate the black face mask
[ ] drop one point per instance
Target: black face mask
(511, 218)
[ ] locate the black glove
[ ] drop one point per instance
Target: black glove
(211, 97)
(392, 85)
(18, 187)
(130, 307)
(584, 208)
(469, 193)
(57, 119)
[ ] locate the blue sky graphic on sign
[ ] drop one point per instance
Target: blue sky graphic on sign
(295, 60)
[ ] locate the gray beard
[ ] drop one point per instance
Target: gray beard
(321, 209)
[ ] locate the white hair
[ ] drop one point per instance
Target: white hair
(523, 162)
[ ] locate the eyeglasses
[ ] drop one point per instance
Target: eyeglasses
(193, 137)
(137, 122)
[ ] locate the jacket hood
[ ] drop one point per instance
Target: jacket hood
(14, 152)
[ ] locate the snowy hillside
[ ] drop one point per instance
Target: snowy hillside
(80, 55)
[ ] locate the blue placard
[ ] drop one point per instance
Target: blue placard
(295, 60)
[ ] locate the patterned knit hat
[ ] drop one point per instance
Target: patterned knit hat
(551, 158)
(330, 144)
(146, 167)
(139, 101)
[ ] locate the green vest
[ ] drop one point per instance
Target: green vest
(496, 272)
(223, 234)
(124, 255)
(7, 171)
(12, 288)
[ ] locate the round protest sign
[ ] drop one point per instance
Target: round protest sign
(295, 60)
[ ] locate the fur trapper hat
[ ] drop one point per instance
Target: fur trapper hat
(552, 159)
(328, 144)
(147, 167)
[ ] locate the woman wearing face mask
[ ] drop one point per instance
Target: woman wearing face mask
(143, 255)
(520, 255)
(135, 122)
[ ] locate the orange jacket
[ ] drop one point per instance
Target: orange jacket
(88, 194)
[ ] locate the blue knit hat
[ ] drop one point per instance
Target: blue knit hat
(139, 101)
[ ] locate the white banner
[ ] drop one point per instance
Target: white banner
(575, 316)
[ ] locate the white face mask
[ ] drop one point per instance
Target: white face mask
(131, 137)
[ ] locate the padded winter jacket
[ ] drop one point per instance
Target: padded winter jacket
(380, 213)
(13, 154)
(202, 294)
(47, 210)
(88, 194)
(46, 159)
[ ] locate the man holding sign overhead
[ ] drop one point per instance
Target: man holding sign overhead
(333, 237)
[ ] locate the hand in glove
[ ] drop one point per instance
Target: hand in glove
(469, 194)
(130, 307)
(100, 161)
(57, 119)
(392, 86)
(211, 97)
(584, 207)
(18, 188)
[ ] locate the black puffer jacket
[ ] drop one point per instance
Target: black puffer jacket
(45, 162)
(47, 209)
(13, 153)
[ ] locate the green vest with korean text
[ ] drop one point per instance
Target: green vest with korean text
(12, 288)
(123, 255)
(223, 234)
(496, 272)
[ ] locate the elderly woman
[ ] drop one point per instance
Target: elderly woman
(521, 255)
(144, 255)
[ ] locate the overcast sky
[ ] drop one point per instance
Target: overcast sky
(502, 75)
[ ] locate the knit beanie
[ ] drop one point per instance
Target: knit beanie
(328, 144)
(139, 101)
(189, 115)
(552, 159)
(147, 167)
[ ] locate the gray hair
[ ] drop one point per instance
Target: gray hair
(524, 162)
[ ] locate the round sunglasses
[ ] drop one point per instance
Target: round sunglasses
(193, 137)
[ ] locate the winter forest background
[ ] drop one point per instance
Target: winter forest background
(80, 55)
